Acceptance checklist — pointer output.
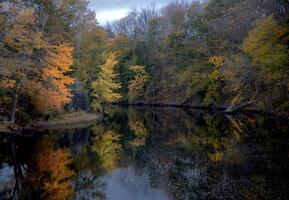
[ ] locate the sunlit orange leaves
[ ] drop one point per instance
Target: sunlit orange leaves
(54, 91)
(38, 40)
(217, 60)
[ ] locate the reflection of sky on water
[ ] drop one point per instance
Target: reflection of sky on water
(6, 173)
(6, 178)
(127, 184)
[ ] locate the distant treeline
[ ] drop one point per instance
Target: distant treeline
(218, 52)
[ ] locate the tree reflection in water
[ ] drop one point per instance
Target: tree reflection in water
(99, 156)
(40, 170)
(48, 174)
(136, 125)
(160, 153)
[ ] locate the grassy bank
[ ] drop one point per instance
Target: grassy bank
(74, 119)
(3, 127)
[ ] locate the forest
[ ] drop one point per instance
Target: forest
(183, 100)
(221, 54)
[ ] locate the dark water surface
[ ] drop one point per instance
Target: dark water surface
(151, 154)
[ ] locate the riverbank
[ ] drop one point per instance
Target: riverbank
(245, 108)
(3, 127)
(74, 119)
(62, 121)
(80, 119)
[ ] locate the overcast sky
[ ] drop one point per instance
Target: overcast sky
(109, 10)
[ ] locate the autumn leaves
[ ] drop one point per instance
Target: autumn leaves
(33, 65)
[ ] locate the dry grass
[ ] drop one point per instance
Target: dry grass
(74, 119)
(74, 116)
(3, 127)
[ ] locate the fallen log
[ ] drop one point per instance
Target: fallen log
(235, 108)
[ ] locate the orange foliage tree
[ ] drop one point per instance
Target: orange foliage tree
(32, 64)
(53, 91)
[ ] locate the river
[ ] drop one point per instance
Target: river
(142, 153)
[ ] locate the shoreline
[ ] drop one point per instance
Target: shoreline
(80, 119)
(66, 120)
(220, 109)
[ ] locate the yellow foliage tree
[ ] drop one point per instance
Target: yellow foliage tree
(105, 87)
(267, 45)
(215, 80)
(136, 86)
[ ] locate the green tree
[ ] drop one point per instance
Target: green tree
(90, 56)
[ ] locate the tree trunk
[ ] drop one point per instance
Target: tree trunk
(15, 101)
(16, 186)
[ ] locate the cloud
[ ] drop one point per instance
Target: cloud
(100, 5)
(110, 15)
(109, 10)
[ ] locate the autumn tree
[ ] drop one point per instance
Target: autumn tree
(136, 88)
(17, 48)
(267, 45)
(91, 55)
(45, 42)
(123, 47)
(216, 81)
(33, 64)
(105, 87)
(52, 92)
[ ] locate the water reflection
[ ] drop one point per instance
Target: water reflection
(151, 154)
(48, 174)
(40, 171)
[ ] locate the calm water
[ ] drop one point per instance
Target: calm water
(151, 154)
